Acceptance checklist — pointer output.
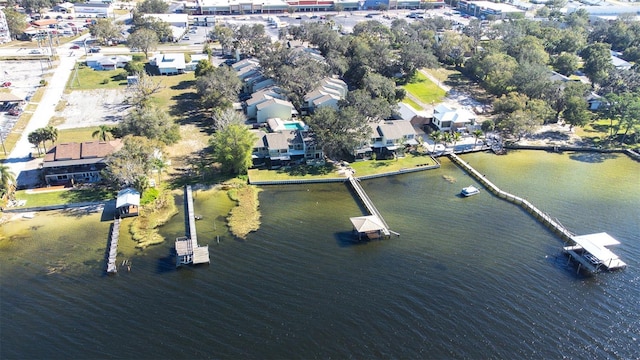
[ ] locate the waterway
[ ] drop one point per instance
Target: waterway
(467, 278)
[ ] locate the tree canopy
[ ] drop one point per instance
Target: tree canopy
(143, 39)
(232, 146)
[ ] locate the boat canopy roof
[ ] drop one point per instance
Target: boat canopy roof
(595, 245)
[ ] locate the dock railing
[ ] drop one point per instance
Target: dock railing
(544, 218)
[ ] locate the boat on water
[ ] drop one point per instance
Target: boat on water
(469, 191)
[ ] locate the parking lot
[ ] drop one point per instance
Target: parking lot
(24, 77)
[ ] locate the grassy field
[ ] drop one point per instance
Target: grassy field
(63, 197)
(424, 89)
(76, 135)
(294, 173)
(89, 79)
(362, 168)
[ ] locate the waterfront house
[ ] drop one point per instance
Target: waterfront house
(446, 118)
(286, 147)
(72, 163)
(128, 202)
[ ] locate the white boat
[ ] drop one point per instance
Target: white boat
(469, 191)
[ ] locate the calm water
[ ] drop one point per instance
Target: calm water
(467, 278)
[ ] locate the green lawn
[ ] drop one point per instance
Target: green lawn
(424, 89)
(89, 79)
(362, 168)
(63, 197)
(76, 135)
(412, 103)
(294, 173)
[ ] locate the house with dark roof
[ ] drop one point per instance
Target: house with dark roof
(390, 138)
(286, 147)
(72, 163)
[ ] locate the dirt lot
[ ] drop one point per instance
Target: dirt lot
(91, 108)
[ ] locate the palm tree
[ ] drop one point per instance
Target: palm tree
(455, 137)
(160, 166)
(7, 182)
(51, 134)
(436, 136)
(103, 133)
(36, 137)
(447, 137)
(476, 134)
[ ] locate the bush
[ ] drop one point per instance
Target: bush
(43, 82)
(105, 81)
(149, 195)
(121, 76)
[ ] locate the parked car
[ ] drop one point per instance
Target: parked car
(15, 111)
(69, 17)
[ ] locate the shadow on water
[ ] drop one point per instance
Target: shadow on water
(349, 238)
(440, 266)
(166, 264)
(569, 267)
(592, 157)
(357, 200)
(108, 211)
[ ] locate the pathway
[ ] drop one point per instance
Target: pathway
(19, 160)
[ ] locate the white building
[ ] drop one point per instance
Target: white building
(451, 119)
(5, 35)
(169, 64)
(100, 9)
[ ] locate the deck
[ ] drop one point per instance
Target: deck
(588, 250)
(187, 249)
(113, 247)
(371, 208)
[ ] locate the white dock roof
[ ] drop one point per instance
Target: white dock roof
(595, 245)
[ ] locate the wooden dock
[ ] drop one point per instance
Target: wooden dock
(553, 224)
(371, 208)
(187, 249)
(113, 247)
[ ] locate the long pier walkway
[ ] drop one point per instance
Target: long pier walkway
(187, 249)
(544, 218)
(355, 184)
(113, 246)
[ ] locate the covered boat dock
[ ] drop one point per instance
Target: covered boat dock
(591, 253)
(370, 226)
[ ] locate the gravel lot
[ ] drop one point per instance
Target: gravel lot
(92, 108)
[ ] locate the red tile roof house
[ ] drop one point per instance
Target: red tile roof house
(73, 163)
